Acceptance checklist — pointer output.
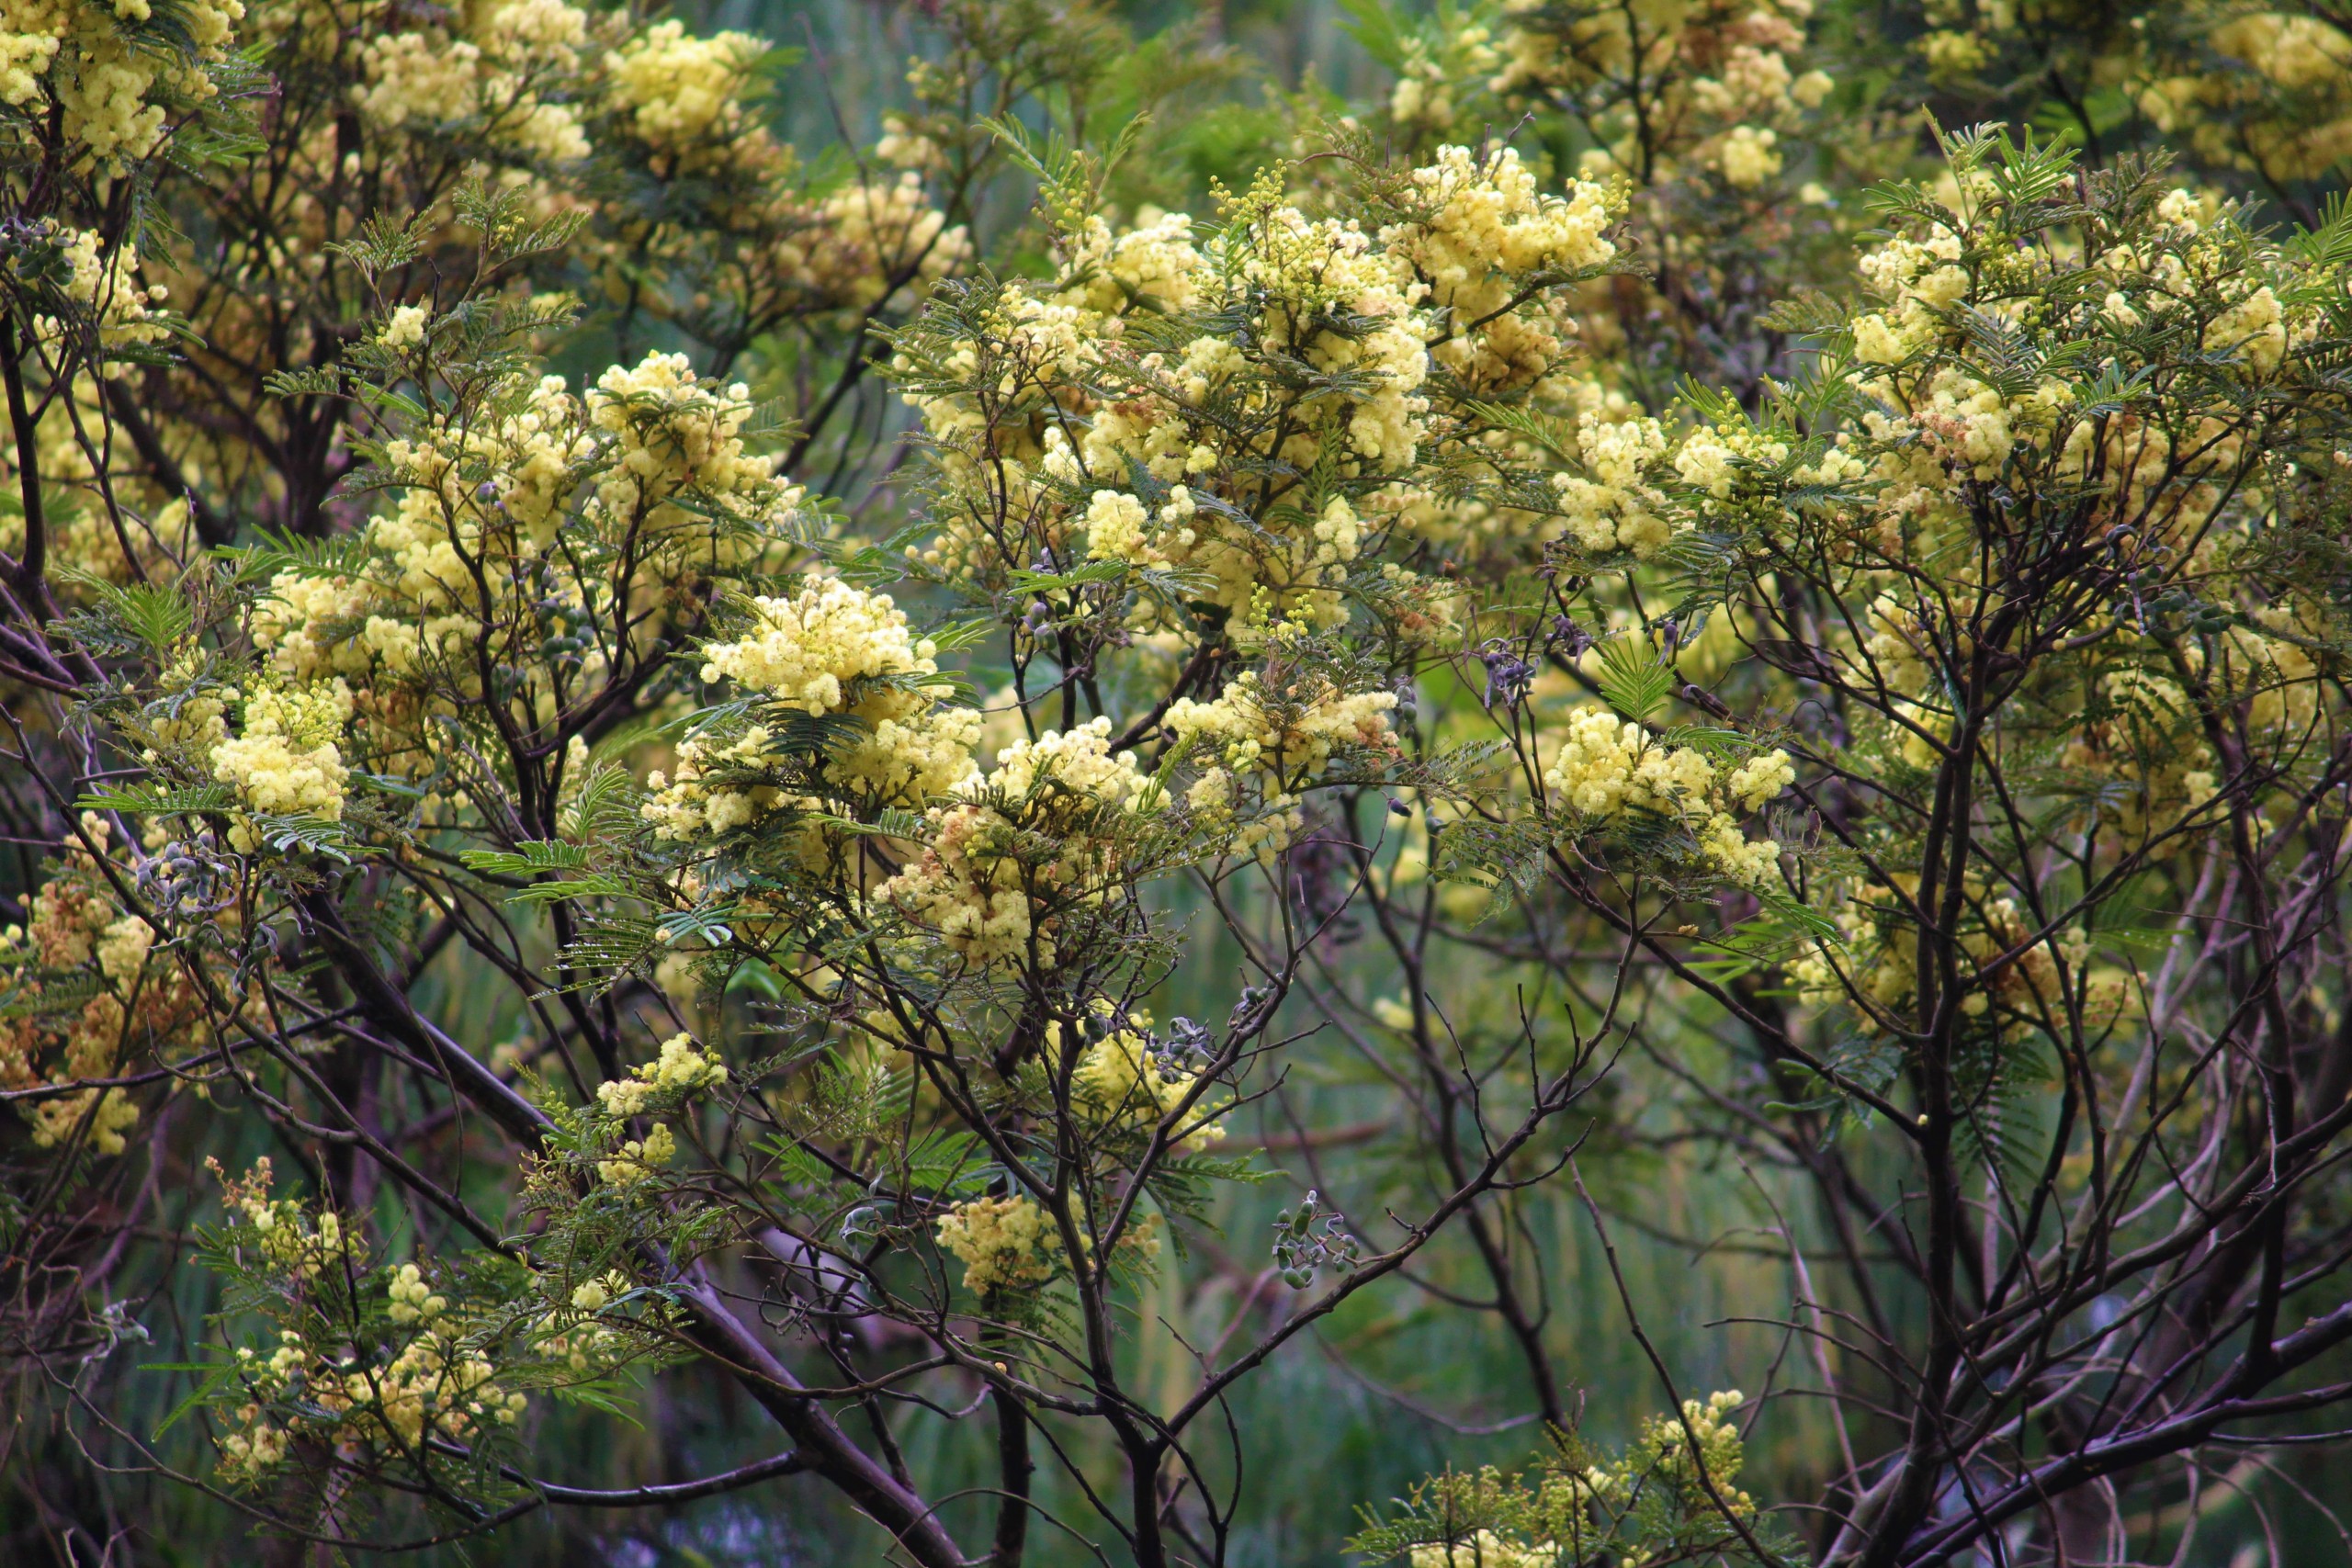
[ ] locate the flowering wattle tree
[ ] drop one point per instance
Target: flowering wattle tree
(800, 864)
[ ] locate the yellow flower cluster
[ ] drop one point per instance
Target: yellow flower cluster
(1747, 155)
(903, 147)
(1876, 951)
(1607, 764)
(113, 74)
(297, 623)
(2150, 744)
(638, 1159)
(419, 608)
(1874, 959)
(2285, 111)
(2254, 329)
(1039, 834)
(1947, 423)
(1424, 102)
(681, 103)
(442, 1379)
(434, 1387)
(108, 1114)
(1616, 504)
(1485, 231)
(489, 66)
(806, 651)
(1646, 1502)
(1676, 1449)
(1485, 1549)
(1118, 1080)
(592, 1294)
(431, 1384)
(123, 948)
(81, 537)
(1116, 527)
(107, 295)
(1307, 267)
(682, 96)
(375, 96)
(296, 1242)
(575, 1339)
(116, 996)
(1921, 279)
(1155, 265)
(653, 435)
(1608, 769)
(1461, 280)
(870, 241)
(668, 433)
(1714, 459)
(652, 462)
(1662, 82)
(404, 328)
(1284, 724)
(286, 762)
(1078, 765)
(681, 1071)
(412, 1298)
(1005, 1244)
(2271, 667)
(2032, 978)
(252, 1449)
(831, 651)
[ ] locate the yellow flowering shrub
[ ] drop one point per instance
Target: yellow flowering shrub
(815, 761)
(440, 1359)
(1173, 471)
